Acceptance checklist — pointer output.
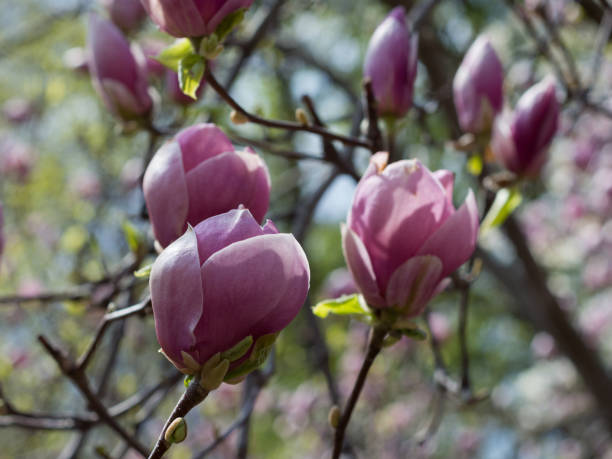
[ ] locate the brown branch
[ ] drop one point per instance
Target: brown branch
(279, 124)
(79, 379)
(192, 397)
(374, 347)
(374, 134)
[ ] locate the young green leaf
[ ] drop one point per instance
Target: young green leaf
(172, 55)
(190, 73)
(506, 201)
(345, 305)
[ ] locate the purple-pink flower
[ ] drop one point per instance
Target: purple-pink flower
(391, 64)
(191, 18)
(126, 14)
(199, 174)
(118, 72)
(478, 87)
(222, 281)
(403, 236)
(521, 138)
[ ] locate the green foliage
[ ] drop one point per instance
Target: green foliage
(353, 305)
(506, 201)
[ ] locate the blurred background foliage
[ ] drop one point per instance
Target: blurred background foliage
(76, 187)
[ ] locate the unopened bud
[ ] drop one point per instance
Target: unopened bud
(177, 431)
(238, 118)
(301, 117)
(334, 416)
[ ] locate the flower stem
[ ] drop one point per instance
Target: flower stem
(374, 347)
(192, 397)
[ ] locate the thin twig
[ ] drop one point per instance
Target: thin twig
(78, 378)
(192, 397)
(374, 347)
(279, 124)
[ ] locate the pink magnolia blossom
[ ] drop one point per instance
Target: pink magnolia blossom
(198, 175)
(391, 64)
(191, 18)
(118, 72)
(521, 138)
(222, 281)
(403, 236)
(478, 87)
(126, 14)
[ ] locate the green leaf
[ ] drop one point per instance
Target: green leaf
(506, 201)
(187, 380)
(190, 73)
(345, 305)
(143, 272)
(172, 55)
(229, 23)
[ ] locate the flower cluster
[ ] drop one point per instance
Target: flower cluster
(520, 138)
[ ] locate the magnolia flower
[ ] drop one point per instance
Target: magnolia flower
(223, 281)
(403, 236)
(199, 174)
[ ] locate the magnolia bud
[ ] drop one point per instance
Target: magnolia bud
(176, 431)
(391, 64)
(126, 14)
(521, 138)
(191, 18)
(478, 87)
(118, 72)
(333, 416)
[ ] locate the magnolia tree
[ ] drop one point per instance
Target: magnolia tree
(292, 229)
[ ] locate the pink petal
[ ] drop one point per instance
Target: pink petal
(178, 18)
(176, 295)
(223, 8)
(223, 183)
(377, 165)
(360, 266)
(222, 230)
(412, 284)
(201, 142)
(447, 179)
(252, 287)
(165, 192)
(395, 212)
(259, 180)
(454, 242)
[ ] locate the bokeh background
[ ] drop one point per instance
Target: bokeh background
(69, 183)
